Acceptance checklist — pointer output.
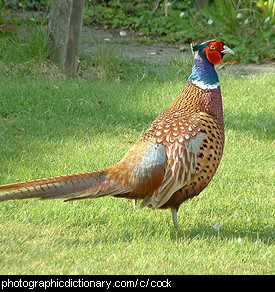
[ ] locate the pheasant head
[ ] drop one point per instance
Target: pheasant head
(207, 55)
(213, 51)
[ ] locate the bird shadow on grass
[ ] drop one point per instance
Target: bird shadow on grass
(178, 235)
(203, 231)
(135, 226)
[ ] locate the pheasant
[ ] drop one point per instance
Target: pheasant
(173, 161)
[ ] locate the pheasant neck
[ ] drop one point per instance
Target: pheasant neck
(204, 74)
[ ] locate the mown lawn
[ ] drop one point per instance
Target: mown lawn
(51, 126)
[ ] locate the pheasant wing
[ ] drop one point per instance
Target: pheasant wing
(181, 138)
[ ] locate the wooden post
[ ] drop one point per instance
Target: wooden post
(166, 7)
(65, 28)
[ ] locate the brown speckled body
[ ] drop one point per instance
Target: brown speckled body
(193, 112)
(208, 160)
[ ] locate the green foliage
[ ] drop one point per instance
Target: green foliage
(31, 43)
(268, 9)
(23, 39)
(225, 14)
(245, 25)
(24, 5)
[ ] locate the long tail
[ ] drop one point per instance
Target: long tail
(71, 187)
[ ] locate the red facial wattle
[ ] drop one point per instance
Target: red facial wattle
(213, 52)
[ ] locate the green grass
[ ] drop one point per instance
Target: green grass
(51, 126)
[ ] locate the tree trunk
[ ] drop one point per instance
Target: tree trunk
(65, 30)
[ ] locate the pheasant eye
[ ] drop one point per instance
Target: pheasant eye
(212, 47)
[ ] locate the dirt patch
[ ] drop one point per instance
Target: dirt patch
(124, 44)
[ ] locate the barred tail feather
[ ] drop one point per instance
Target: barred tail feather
(71, 187)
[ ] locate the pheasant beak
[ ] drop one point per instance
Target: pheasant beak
(226, 50)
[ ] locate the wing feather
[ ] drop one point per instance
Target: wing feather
(182, 142)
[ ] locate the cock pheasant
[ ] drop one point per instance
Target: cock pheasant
(173, 161)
